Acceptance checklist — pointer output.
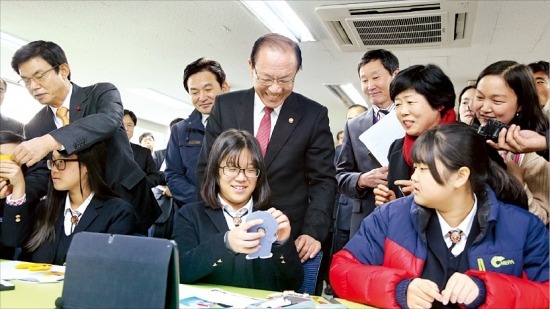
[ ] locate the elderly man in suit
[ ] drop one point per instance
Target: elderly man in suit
(294, 134)
(357, 171)
(75, 118)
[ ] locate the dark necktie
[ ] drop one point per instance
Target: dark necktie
(455, 235)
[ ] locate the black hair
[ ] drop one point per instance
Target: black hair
(8, 137)
(540, 66)
(276, 41)
(429, 81)
(203, 64)
(521, 80)
(228, 146)
(145, 134)
(388, 59)
(94, 158)
(458, 145)
(132, 115)
(173, 122)
(52, 53)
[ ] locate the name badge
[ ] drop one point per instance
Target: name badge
(194, 142)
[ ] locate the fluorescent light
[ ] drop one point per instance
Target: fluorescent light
(11, 42)
(158, 97)
(347, 94)
(278, 17)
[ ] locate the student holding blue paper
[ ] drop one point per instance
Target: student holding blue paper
(212, 236)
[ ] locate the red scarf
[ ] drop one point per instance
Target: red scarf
(448, 117)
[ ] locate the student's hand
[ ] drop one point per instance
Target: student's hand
(307, 247)
(421, 293)
(241, 241)
(34, 150)
(519, 141)
(406, 186)
(460, 289)
(13, 175)
(382, 195)
(373, 178)
(167, 192)
(283, 232)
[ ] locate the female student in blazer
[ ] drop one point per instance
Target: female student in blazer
(212, 235)
(459, 239)
(78, 199)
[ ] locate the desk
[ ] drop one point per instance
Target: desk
(43, 295)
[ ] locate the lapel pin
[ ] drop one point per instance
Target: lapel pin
(78, 107)
(290, 120)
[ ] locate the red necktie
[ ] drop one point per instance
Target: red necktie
(264, 132)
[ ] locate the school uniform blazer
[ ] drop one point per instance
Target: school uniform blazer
(199, 232)
(299, 158)
(96, 115)
(354, 160)
(113, 216)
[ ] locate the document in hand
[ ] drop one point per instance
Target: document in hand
(380, 136)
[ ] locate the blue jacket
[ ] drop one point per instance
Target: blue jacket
(182, 154)
(510, 255)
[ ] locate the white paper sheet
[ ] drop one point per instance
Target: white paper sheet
(381, 135)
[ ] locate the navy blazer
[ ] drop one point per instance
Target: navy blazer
(355, 159)
(96, 115)
(299, 158)
(113, 216)
(199, 232)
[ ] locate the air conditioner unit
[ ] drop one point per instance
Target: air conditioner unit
(400, 24)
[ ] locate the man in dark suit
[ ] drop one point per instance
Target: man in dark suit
(142, 155)
(300, 152)
(357, 171)
(7, 124)
(95, 114)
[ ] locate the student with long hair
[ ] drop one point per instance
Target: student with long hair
(212, 235)
(506, 92)
(459, 239)
(78, 199)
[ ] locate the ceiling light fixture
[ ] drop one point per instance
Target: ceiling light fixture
(11, 42)
(158, 97)
(278, 17)
(347, 94)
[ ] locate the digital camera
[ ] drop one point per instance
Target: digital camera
(491, 130)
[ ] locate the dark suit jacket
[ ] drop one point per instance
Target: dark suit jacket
(8, 124)
(96, 115)
(398, 169)
(159, 157)
(114, 216)
(144, 159)
(299, 158)
(199, 232)
(354, 160)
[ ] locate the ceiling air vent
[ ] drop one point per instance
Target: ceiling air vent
(399, 24)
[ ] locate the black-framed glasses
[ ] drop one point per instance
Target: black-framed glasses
(60, 164)
(269, 81)
(233, 171)
(38, 77)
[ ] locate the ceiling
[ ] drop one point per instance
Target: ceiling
(147, 44)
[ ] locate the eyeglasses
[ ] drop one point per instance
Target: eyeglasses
(268, 81)
(60, 164)
(233, 171)
(38, 77)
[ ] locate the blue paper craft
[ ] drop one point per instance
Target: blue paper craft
(270, 227)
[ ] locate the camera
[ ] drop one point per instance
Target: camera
(491, 130)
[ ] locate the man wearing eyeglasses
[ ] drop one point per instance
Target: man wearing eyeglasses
(75, 118)
(294, 134)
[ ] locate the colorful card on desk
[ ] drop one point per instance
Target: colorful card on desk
(33, 272)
